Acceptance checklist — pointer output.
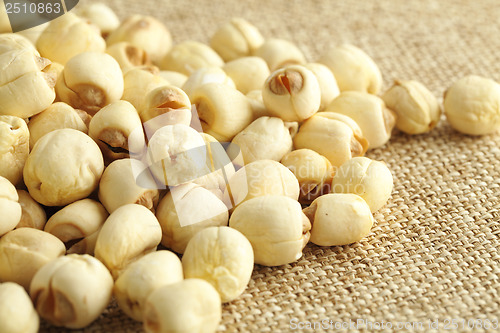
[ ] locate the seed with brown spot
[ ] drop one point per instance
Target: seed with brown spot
(292, 93)
(290, 82)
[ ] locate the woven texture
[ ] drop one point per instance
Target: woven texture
(433, 251)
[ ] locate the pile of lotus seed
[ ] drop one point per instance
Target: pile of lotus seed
(101, 127)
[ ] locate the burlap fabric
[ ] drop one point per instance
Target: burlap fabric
(433, 251)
